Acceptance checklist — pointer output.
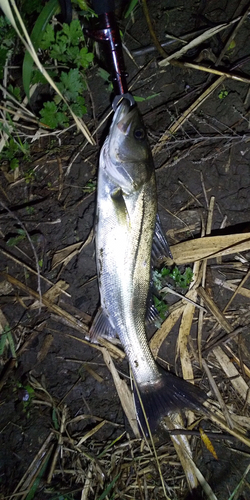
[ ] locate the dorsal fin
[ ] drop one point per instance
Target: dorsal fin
(160, 247)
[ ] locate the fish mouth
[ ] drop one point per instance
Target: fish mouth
(124, 125)
(118, 98)
(124, 120)
(123, 116)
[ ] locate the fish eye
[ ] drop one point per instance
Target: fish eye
(139, 133)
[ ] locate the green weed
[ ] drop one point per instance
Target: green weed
(106, 77)
(142, 99)
(30, 210)
(29, 176)
(6, 341)
(29, 394)
(7, 42)
(14, 240)
(15, 149)
(130, 8)
(181, 279)
(65, 46)
(90, 187)
(55, 419)
(19, 236)
(223, 93)
(161, 307)
(109, 488)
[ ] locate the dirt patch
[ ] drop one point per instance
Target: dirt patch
(60, 386)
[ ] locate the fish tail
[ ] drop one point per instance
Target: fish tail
(169, 395)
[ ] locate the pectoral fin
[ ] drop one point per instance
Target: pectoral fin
(120, 206)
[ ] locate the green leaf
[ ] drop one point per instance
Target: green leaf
(30, 7)
(48, 114)
(62, 119)
(141, 99)
(87, 11)
(49, 10)
(55, 419)
(157, 279)
(73, 32)
(5, 337)
(48, 38)
(11, 344)
(14, 240)
(109, 487)
(104, 74)
(35, 484)
(3, 340)
(59, 51)
(3, 55)
(223, 93)
(130, 8)
(84, 58)
(14, 163)
(161, 307)
(37, 76)
(73, 54)
(79, 107)
(71, 84)
(15, 91)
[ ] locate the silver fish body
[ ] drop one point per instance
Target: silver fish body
(127, 229)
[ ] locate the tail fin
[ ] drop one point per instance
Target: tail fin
(169, 395)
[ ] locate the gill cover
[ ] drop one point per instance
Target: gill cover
(127, 153)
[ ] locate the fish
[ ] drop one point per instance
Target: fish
(128, 240)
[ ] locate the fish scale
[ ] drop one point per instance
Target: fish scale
(128, 232)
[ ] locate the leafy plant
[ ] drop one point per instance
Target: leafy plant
(28, 395)
(138, 98)
(7, 42)
(15, 91)
(90, 186)
(109, 488)
(29, 176)
(30, 210)
(86, 11)
(6, 340)
(14, 240)
(20, 235)
(161, 307)
(223, 93)
(66, 46)
(182, 280)
(160, 277)
(55, 418)
(106, 77)
(130, 8)
(14, 149)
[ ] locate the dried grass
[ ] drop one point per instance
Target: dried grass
(110, 465)
(129, 467)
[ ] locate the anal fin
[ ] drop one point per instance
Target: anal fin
(101, 326)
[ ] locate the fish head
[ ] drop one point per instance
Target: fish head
(129, 158)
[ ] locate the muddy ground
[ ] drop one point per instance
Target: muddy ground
(209, 155)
